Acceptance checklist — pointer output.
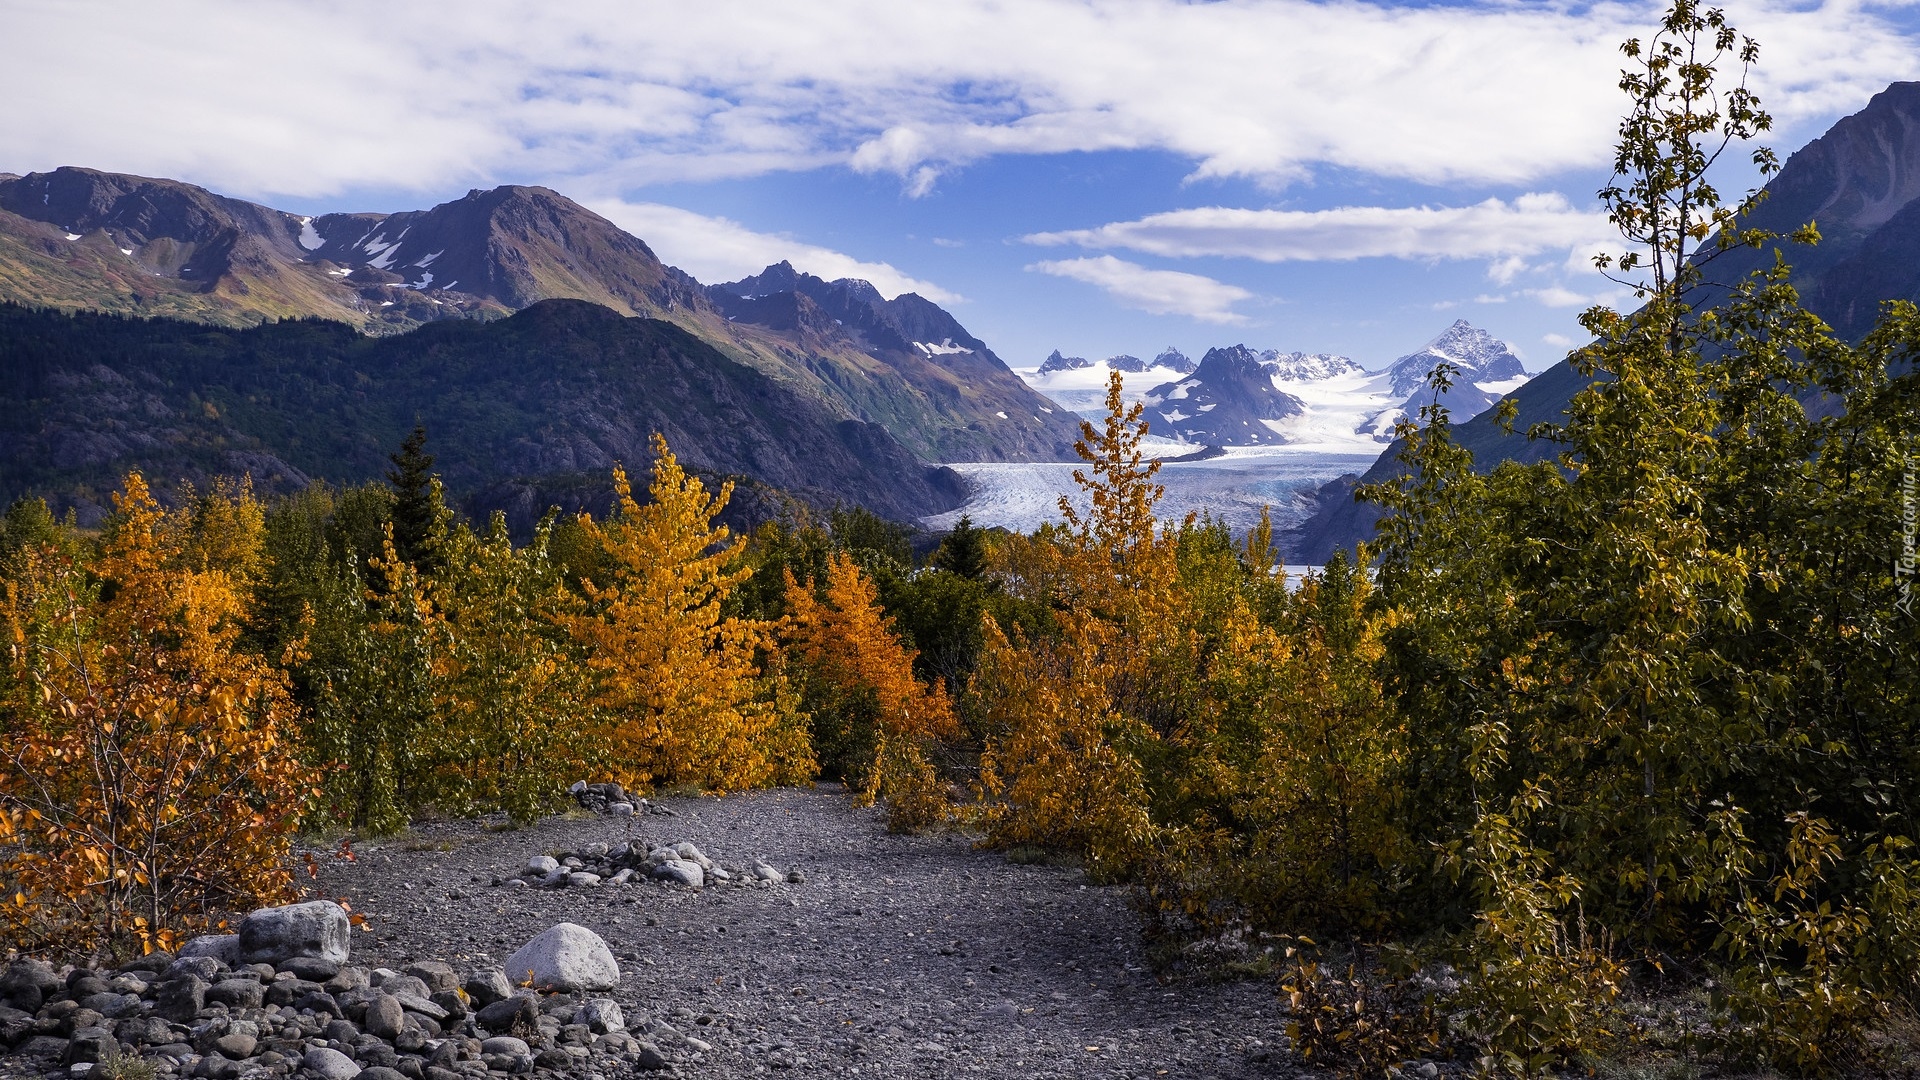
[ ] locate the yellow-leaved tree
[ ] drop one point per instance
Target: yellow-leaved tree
(678, 679)
(1072, 716)
(863, 697)
(148, 777)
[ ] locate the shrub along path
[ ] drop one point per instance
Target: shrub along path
(896, 956)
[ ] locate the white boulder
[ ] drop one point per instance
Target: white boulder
(565, 957)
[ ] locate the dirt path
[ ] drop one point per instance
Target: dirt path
(898, 956)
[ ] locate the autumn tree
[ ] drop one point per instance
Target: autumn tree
(679, 680)
(874, 723)
(149, 776)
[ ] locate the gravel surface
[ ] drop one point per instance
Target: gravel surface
(897, 956)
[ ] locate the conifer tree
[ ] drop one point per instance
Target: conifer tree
(419, 510)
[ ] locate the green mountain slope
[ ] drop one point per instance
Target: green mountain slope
(523, 412)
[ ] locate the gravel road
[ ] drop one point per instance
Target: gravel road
(897, 956)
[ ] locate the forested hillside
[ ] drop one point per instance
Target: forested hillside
(524, 412)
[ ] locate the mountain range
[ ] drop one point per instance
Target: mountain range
(1859, 184)
(829, 353)
(1238, 396)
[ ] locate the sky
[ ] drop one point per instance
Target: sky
(1095, 177)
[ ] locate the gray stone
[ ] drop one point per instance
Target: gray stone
(385, 1017)
(310, 968)
(795, 877)
(541, 865)
(182, 999)
(340, 1031)
(28, 983)
(421, 1006)
(204, 967)
(15, 1025)
(680, 872)
(580, 880)
(404, 984)
(438, 975)
(318, 928)
(518, 1015)
(505, 1044)
(381, 1072)
(692, 854)
(90, 1045)
(237, 994)
(650, 1059)
(236, 1044)
(565, 957)
(621, 877)
(320, 1003)
(222, 947)
(350, 978)
(329, 1064)
(601, 1016)
(144, 1031)
(42, 1046)
(111, 1005)
(766, 871)
(452, 1004)
(487, 986)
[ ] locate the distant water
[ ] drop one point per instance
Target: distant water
(1233, 488)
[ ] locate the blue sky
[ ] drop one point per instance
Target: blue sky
(1097, 177)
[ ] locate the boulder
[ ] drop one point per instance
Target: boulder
(541, 866)
(28, 983)
(518, 1015)
(565, 957)
(690, 853)
(203, 967)
(385, 1017)
(318, 929)
(310, 968)
(181, 999)
(222, 947)
(680, 872)
(486, 986)
(438, 975)
(329, 1064)
(601, 1016)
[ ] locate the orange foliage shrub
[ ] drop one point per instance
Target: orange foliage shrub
(678, 679)
(1074, 715)
(850, 655)
(147, 776)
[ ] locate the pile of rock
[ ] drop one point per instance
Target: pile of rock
(279, 998)
(613, 799)
(637, 862)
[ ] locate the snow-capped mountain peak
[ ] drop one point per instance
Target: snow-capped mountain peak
(1300, 366)
(1480, 356)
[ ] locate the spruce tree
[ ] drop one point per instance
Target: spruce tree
(964, 551)
(418, 509)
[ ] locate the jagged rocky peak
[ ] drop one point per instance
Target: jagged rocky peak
(1302, 367)
(1480, 356)
(1173, 359)
(1056, 362)
(1225, 401)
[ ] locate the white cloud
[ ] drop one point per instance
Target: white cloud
(1157, 292)
(299, 97)
(715, 249)
(1494, 229)
(1558, 341)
